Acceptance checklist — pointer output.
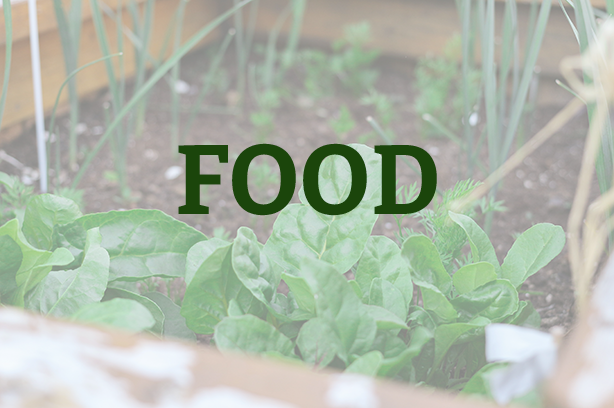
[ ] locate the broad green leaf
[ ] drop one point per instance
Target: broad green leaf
(6, 180)
(339, 306)
(481, 248)
(494, 300)
(388, 296)
(356, 288)
(525, 316)
(174, 323)
(205, 300)
(473, 275)
(389, 343)
(478, 384)
(301, 292)
(425, 263)
(367, 364)
(318, 342)
(154, 309)
(141, 243)
(436, 302)
(123, 314)
(391, 366)
(251, 335)
(301, 232)
(253, 268)
(533, 250)
(43, 213)
(385, 319)
(447, 334)
(35, 264)
(11, 256)
(382, 259)
(63, 293)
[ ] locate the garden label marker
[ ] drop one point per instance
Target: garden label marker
(38, 95)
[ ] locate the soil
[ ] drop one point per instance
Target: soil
(540, 190)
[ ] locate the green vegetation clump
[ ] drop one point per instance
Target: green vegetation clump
(439, 87)
(414, 311)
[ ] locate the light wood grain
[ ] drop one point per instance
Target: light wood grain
(19, 104)
(414, 28)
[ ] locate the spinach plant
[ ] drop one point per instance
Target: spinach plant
(403, 312)
(60, 262)
(351, 300)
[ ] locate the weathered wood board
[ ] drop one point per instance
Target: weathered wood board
(46, 362)
(414, 28)
(19, 104)
(409, 29)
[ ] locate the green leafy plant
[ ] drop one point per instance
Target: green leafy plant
(62, 263)
(411, 312)
(503, 111)
(384, 112)
(319, 81)
(351, 62)
(15, 197)
(373, 323)
(343, 123)
(439, 86)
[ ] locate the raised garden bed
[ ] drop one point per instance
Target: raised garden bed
(302, 117)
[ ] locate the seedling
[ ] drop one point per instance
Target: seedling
(343, 123)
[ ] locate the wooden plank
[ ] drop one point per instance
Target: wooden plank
(119, 369)
(413, 28)
(46, 17)
(19, 104)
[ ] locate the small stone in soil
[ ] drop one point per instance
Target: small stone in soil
(150, 154)
(173, 172)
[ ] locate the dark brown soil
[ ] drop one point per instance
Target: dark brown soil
(541, 190)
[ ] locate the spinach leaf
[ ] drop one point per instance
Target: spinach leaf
(481, 248)
(391, 366)
(43, 213)
(436, 302)
(382, 259)
(35, 264)
(212, 285)
(141, 243)
(425, 263)
(338, 306)
(494, 300)
(384, 318)
(123, 314)
(174, 324)
(301, 292)
(62, 293)
(154, 309)
(255, 271)
(251, 335)
(367, 364)
(384, 294)
(318, 342)
(447, 334)
(301, 232)
(11, 256)
(472, 276)
(531, 251)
